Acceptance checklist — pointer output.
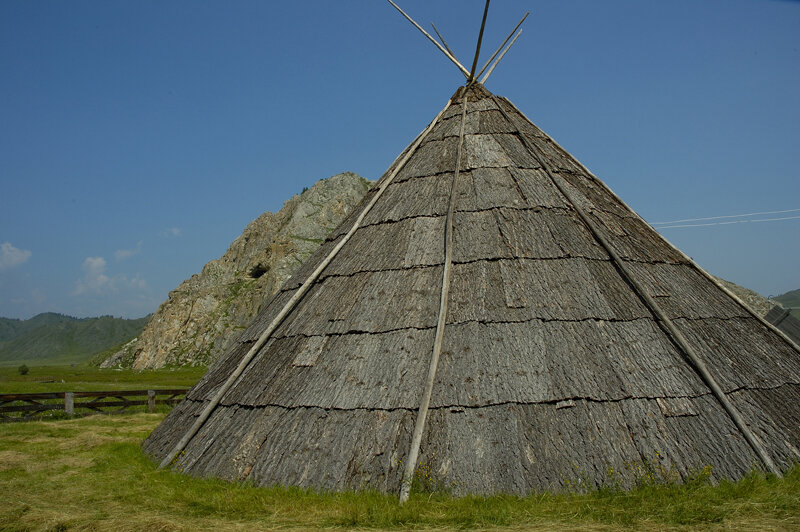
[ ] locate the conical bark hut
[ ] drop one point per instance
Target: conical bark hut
(493, 298)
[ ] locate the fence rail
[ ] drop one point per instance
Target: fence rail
(28, 406)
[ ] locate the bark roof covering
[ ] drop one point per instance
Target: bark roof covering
(553, 372)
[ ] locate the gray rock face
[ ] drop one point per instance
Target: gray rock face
(207, 312)
(760, 304)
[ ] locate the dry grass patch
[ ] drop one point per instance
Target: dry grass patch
(12, 459)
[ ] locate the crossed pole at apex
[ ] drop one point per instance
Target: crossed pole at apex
(470, 74)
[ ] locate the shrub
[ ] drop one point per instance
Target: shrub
(23, 369)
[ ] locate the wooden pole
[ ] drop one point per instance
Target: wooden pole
(422, 413)
(504, 43)
(497, 61)
(442, 39)
(69, 402)
(478, 47)
(151, 401)
(439, 46)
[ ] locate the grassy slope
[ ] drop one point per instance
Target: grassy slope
(56, 339)
(90, 474)
(791, 299)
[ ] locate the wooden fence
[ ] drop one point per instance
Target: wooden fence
(782, 319)
(27, 406)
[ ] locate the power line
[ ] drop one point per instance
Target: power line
(775, 219)
(728, 216)
(728, 223)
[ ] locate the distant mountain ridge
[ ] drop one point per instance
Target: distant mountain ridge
(51, 338)
(10, 328)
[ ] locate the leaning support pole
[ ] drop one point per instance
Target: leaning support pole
(222, 390)
(497, 62)
(478, 47)
(664, 321)
(422, 413)
(478, 75)
(442, 39)
(439, 46)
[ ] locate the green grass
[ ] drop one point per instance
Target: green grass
(90, 474)
(80, 378)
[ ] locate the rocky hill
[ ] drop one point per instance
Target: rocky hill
(754, 300)
(207, 312)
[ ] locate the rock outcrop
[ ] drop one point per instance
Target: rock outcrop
(207, 312)
(760, 304)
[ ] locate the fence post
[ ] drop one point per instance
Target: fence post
(151, 401)
(69, 402)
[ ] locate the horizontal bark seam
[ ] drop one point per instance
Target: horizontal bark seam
(485, 259)
(553, 402)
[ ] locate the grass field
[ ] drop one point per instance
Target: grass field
(90, 474)
(80, 378)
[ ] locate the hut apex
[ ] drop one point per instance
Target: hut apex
(470, 76)
(494, 315)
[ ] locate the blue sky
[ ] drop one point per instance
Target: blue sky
(139, 138)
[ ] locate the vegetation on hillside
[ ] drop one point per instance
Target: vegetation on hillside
(57, 339)
(791, 299)
(11, 328)
(90, 474)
